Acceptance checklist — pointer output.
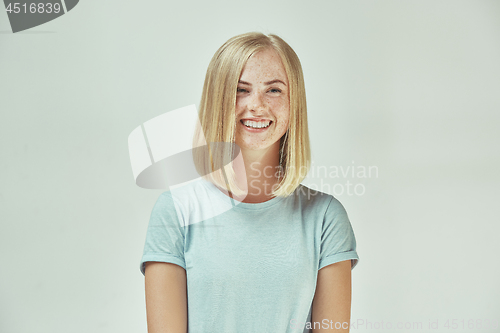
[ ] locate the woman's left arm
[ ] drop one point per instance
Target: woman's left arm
(331, 308)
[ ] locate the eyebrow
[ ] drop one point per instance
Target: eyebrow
(266, 83)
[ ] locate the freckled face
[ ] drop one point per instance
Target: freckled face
(262, 102)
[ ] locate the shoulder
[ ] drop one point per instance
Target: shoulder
(195, 202)
(185, 194)
(311, 197)
(321, 203)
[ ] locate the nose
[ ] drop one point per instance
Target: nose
(256, 102)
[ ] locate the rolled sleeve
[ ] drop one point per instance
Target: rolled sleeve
(338, 242)
(165, 234)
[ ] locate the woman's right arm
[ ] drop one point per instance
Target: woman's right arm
(166, 297)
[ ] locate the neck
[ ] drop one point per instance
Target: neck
(258, 171)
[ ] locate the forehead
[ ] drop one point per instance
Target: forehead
(263, 66)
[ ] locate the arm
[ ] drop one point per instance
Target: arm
(332, 300)
(166, 298)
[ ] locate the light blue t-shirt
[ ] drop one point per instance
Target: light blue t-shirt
(249, 267)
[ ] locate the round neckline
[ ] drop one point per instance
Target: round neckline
(239, 204)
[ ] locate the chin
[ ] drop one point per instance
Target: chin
(256, 146)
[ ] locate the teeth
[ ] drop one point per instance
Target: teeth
(256, 124)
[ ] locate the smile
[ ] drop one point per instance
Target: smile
(256, 124)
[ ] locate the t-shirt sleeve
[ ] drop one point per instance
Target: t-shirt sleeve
(337, 238)
(165, 234)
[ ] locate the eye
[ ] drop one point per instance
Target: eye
(275, 90)
(241, 90)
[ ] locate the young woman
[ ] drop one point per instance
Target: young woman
(247, 248)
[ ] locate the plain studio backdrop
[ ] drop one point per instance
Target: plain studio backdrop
(408, 88)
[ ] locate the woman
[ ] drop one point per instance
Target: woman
(247, 248)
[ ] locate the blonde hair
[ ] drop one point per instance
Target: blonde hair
(218, 119)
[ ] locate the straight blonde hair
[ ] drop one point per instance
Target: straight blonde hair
(218, 119)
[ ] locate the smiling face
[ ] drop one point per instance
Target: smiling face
(262, 102)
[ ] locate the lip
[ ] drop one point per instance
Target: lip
(256, 130)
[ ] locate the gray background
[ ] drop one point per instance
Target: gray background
(408, 86)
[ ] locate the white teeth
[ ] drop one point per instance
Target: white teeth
(256, 124)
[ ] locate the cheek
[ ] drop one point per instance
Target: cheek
(282, 112)
(284, 125)
(238, 106)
